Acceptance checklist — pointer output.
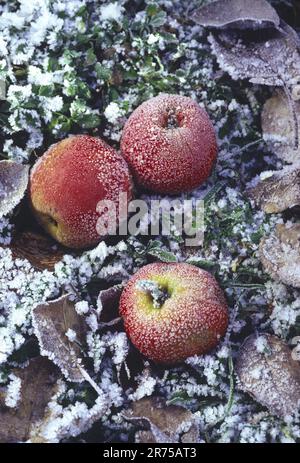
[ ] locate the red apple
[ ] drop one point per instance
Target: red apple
(173, 311)
(67, 183)
(170, 144)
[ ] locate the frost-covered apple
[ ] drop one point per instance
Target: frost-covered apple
(173, 311)
(170, 144)
(67, 183)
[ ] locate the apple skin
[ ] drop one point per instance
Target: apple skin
(170, 144)
(67, 183)
(190, 322)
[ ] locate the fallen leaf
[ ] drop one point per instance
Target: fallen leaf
(63, 423)
(165, 423)
(278, 126)
(280, 254)
(269, 374)
(237, 14)
(268, 59)
(51, 321)
(39, 381)
(108, 304)
(13, 184)
(40, 250)
(278, 192)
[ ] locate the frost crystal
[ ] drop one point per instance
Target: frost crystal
(13, 393)
(112, 11)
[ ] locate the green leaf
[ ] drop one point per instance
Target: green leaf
(46, 90)
(152, 9)
(102, 72)
(169, 38)
(202, 263)
(63, 123)
(210, 196)
(158, 19)
(162, 255)
(90, 56)
(83, 90)
(90, 121)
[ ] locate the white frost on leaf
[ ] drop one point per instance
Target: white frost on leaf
(13, 392)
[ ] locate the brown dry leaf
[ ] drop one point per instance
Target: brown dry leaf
(273, 60)
(108, 304)
(165, 423)
(278, 192)
(267, 371)
(39, 381)
(237, 14)
(40, 250)
(51, 321)
(280, 254)
(13, 184)
(278, 127)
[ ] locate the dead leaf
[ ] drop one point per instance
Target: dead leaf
(108, 304)
(13, 184)
(237, 14)
(165, 423)
(268, 59)
(269, 375)
(278, 127)
(51, 321)
(280, 254)
(278, 192)
(40, 250)
(39, 380)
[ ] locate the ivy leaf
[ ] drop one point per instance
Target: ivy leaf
(13, 184)
(38, 385)
(267, 371)
(280, 254)
(51, 321)
(164, 423)
(237, 14)
(278, 192)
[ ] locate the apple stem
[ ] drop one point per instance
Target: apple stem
(159, 295)
(172, 122)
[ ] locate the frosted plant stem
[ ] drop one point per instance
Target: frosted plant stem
(87, 377)
(158, 295)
